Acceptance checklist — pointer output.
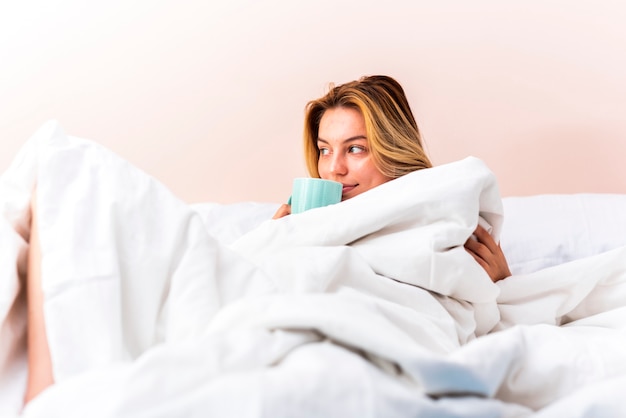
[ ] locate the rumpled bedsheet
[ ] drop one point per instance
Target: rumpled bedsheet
(370, 307)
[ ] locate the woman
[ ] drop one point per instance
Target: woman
(361, 134)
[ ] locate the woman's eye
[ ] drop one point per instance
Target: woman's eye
(355, 149)
(324, 151)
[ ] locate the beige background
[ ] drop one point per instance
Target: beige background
(208, 96)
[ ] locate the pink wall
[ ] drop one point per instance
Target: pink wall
(209, 96)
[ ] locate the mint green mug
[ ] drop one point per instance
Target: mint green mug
(309, 193)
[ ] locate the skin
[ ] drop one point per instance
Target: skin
(488, 254)
(346, 158)
(344, 154)
(39, 362)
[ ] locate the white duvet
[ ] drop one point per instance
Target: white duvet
(370, 307)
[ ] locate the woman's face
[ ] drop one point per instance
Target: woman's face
(344, 152)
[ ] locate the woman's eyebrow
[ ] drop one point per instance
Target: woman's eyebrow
(352, 138)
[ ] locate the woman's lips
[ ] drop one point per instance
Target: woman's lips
(347, 189)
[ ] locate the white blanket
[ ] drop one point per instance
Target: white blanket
(370, 307)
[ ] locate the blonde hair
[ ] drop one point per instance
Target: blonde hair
(392, 133)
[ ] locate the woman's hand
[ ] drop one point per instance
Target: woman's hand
(488, 254)
(283, 210)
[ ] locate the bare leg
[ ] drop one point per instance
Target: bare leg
(39, 363)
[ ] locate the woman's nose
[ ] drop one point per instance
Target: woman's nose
(338, 165)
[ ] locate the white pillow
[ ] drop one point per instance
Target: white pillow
(545, 230)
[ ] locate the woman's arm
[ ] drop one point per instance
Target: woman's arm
(488, 254)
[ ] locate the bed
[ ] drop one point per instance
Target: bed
(155, 307)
